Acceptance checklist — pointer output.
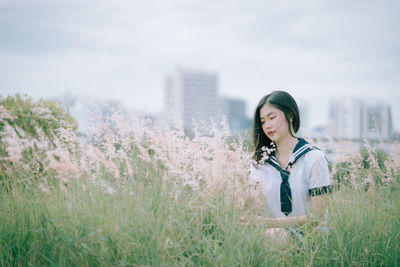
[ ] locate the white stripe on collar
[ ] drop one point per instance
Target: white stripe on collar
(301, 149)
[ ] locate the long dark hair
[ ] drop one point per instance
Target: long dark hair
(285, 103)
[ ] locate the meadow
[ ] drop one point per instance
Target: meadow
(131, 193)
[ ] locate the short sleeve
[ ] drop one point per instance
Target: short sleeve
(319, 179)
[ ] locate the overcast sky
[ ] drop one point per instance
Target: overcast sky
(120, 49)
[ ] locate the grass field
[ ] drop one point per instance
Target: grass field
(137, 195)
(151, 227)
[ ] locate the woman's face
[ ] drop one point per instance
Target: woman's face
(273, 123)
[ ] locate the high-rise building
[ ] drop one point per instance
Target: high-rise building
(355, 119)
(235, 112)
(345, 118)
(191, 94)
(377, 121)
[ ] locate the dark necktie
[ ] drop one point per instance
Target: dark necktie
(286, 193)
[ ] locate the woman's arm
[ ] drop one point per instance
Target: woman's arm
(285, 221)
(315, 216)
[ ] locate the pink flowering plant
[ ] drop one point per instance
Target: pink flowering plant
(41, 139)
(29, 144)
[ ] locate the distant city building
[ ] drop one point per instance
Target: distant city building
(345, 118)
(235, 112)
(87, 110)
(377, 121)
(352, 118)
(191, 94)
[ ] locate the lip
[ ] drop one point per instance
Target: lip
(271, 133)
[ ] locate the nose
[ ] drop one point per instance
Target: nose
(267, 125)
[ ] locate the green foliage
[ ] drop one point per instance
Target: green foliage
(366, 167)
(29, 120)
(20, 107)
(379, 156)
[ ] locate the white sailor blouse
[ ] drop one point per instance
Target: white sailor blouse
(288, 191)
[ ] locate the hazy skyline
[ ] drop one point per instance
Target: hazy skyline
(315, 50)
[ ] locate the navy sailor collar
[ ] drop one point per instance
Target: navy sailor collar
(301, 148)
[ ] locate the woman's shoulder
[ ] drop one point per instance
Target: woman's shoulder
(315, 155)
(254, 167)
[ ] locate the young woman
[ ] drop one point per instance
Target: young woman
(293, 174)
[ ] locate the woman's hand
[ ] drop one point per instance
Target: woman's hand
(285, 221)
(276, 233)
(252, 221)
(243, 219)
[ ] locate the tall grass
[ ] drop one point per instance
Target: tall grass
(151, 227)
(134, 194)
